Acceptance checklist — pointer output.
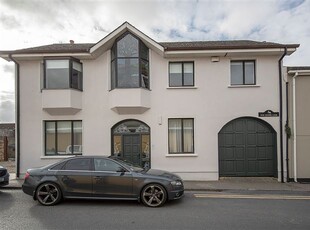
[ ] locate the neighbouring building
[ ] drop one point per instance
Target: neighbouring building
(298, 123)
(200, 109)
(7, 141)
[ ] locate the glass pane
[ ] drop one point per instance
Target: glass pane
(145, 150)
(175, 74)
(113, 74)
(128, 46)
(77, 138)
(57, 74)
(117, 145)
(64, 137)
(236, 71)
(175, 135)
(145, 74)
(188, 74)
(188, 135)
(113, 52)
(76, 81)
(50, 133)
(144, 51)
(249, 73)
(128, 73)
(106, 165)
(78, 164)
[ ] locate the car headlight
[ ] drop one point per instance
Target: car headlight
(176, 183)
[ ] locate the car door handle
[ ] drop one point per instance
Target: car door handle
(98, 177)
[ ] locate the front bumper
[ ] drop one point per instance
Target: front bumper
(176, 193)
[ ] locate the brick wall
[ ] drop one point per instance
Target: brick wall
(1, 150)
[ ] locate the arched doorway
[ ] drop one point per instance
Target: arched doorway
(131, 141)
(247, 148)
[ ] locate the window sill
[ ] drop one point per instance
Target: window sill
(243, 86)
(58, 156)
(80, 90)
(182, 87)
(182, 155)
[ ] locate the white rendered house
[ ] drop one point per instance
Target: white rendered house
(199, 109)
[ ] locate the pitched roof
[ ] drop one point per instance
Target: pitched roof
(168, 46)
(232, 44)
(54, 48)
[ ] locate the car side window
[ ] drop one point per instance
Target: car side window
(78, 164)
(106, 165)
(58, 166)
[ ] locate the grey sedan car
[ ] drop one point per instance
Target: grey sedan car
(4, 176)
(97, 177)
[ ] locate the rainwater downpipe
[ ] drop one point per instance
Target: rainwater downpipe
(281, 112)
(294, 127)
(17, 119)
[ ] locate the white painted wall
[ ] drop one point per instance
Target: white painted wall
(212, 103)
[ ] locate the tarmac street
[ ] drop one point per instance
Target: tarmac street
(197, 210)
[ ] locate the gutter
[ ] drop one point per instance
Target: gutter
(17, 113)
(281, 112)
(294, 127)
(287, 136)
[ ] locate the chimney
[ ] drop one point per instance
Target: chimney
(71, 42)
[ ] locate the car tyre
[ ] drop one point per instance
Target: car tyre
(153, 195)
(48, 194)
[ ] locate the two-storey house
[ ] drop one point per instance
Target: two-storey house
(200, 109)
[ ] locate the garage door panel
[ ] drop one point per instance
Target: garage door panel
(251, 153)
(239, 139)
(239, 126)
(261, 152)
(239, 153)
(247, 147)
(229, 139)
(228, 167)
(261, 139)
(252, 166)
(251, 139)
(240, 166)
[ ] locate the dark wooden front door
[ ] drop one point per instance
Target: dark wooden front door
(247, 147)
(132, 148)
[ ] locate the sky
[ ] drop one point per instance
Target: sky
(40, 22)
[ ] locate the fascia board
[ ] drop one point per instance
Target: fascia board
(300, 72)
(230, 51)
(41, 55)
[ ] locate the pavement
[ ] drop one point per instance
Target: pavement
(224, 184)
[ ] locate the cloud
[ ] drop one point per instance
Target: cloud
(7, 107)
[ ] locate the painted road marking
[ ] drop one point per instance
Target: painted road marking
(265, 197)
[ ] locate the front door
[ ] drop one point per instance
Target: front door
(132, 147)
(131, 141)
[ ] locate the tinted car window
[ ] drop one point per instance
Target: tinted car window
(58, 166)
(78, 164)
(106, 165)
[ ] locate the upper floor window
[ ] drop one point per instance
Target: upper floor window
(63, 74)
(242, 72)
(181, 74)
(130, 63)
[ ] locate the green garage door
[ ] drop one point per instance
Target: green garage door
(247, 147)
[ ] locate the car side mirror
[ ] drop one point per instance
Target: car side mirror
(122, 171)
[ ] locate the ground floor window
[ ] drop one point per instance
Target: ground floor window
(63, 138)
(131, 141)
(181, 135)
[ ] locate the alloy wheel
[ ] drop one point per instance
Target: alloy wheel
(48, 194)
(153, 195)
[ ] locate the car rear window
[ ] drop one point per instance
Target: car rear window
(58, 166)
